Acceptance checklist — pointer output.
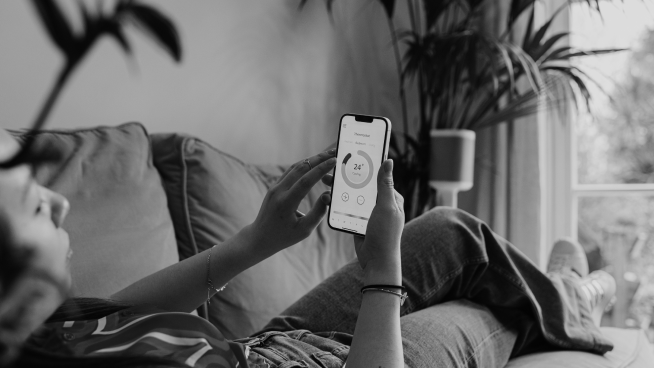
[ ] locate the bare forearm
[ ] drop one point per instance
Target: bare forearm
(377, 338)
(182, 287)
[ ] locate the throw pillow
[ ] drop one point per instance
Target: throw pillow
(212, 195)
(119, 225)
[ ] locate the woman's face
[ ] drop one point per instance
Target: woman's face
(32, 216)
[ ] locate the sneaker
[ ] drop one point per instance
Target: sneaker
(568, 254)
(599, 289)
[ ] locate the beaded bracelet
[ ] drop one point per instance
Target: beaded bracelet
(210, 286)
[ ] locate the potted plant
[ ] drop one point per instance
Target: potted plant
(468, 80)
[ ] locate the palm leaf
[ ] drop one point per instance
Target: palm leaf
(518, 7)
(525, 104)
(589, 53)
(556, 53)
(532, 44)
(434, 10)
(571, 74)
(530, 27)
(521, 106)
(116, 31)
(56, 25)
(528, 66)
(508, 64)
(542, 50)
(157, 26)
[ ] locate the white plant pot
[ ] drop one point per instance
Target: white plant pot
(452, 162)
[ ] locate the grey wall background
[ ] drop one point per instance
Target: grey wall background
(259, 79)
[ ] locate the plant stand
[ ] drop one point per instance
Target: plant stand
(451, 165)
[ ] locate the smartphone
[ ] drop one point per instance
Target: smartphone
(361, 148)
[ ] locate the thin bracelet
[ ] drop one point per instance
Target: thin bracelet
(384, 286)
(403, 296)
(210, 286)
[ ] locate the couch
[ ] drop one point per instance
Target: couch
(141, 202)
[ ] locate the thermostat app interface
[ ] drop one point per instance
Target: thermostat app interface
(361, 149)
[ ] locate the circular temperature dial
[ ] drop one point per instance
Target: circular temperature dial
(357, 170)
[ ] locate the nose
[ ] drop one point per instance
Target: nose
(59, 207)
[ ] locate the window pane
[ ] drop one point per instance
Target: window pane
(618, 235)
(616, 143)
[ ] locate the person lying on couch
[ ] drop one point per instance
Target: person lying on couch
(473, 298)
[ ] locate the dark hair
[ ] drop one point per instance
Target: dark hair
(79, 309)
(15, 261)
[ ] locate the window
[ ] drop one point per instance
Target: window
(611, 210)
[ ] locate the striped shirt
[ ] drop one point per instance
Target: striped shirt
(183, 337)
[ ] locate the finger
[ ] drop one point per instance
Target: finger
(286, 173)
(328, 180)
(314, 216)
(331, 146)
(308, 180)
(385, 186)
(300, 168)
(326, 198)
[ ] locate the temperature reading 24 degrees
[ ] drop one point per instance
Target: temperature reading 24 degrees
(359, 173)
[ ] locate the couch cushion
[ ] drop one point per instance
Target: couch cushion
(119, 225)
(631, 350)
(211, 196)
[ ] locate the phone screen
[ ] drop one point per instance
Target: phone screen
(362, 147)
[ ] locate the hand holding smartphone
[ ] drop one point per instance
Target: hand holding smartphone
(362, 147)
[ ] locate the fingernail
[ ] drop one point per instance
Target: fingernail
(331, 161)
(389, 166)
(332, 150)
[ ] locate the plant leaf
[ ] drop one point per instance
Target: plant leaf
(517, 8)
(538, 37)
(507, 62)
(435, 9)
(528, 65)
(57, 26)
(556, 53)
(530, 28)
(156, 25)
(115, 29)
(389, 6)
(547, 45)
(589, 53)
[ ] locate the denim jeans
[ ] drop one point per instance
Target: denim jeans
(474, 301)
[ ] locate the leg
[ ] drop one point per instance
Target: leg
(334, 304)
(459, 333)
(447, 255)
(456, 334)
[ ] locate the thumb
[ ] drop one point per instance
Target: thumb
(385, 183)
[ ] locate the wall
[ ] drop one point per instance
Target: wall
(259, 79)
